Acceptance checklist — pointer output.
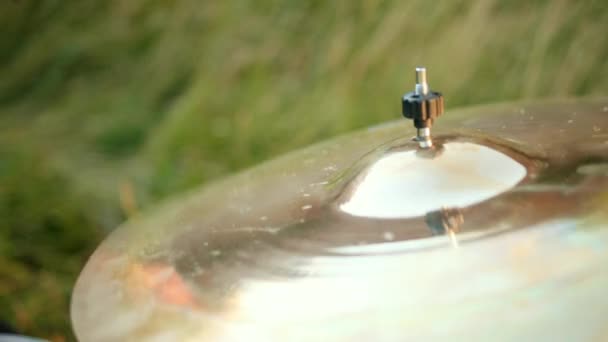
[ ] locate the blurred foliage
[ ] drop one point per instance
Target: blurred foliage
(45, 236)
(165, 95)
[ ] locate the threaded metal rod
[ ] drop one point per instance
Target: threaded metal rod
(422, 87)
(423, 136)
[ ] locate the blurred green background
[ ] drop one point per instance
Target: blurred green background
(106, 107)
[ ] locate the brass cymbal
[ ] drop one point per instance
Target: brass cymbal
(500, 231)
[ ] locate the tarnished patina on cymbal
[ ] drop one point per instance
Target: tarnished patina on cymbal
(275, 254)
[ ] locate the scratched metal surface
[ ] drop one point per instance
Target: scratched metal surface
(272, 254)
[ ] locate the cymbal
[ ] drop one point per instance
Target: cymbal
(497, 232)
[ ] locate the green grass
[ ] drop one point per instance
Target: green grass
(159, 96)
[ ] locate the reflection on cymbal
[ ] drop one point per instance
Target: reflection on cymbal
(402, 184)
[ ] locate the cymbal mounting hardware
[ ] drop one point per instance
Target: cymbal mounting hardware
(423, 106)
